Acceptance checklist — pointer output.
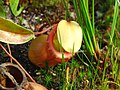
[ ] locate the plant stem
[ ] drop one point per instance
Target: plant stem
(44, 31)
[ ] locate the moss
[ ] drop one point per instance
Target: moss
(44, 3)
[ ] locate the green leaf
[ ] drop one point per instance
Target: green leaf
(1, 2)
(2, 12)
(14, 7)
(14, 34)
(2, 9)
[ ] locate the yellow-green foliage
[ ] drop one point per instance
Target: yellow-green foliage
(44, 3)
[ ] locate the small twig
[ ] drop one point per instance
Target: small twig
(18, 64)
(48, 24)
(9, 52)
(87, 82)
(46, 30)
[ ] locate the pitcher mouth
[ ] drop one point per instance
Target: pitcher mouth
(51, 49)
